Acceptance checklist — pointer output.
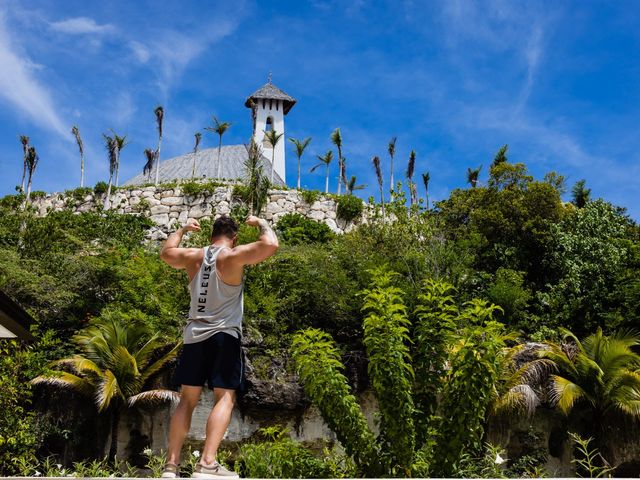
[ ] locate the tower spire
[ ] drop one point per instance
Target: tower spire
(270, 77)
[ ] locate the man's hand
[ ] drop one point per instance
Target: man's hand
(253, 221)
(192, 225)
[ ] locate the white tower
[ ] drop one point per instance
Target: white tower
(269, 105)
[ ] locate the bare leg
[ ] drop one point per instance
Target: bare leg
(218, 422)
(181, 421)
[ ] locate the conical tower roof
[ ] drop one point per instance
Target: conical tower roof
(270, 92)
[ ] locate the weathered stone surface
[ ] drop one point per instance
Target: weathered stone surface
(316, 214)
(148, 193)
(157, 209)
(172, 201)
(182, 218)
(161, 219)
(159, 235)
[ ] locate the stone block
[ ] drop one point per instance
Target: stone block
(147, 193)
(158, 209)
(174, 214)
(158, 235)
(183, 216)
(316, 215)
(171, 201)
(332, 225)
(178, 208)
(161, 219)
(167, 193)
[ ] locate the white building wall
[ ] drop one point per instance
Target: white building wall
(273, 109)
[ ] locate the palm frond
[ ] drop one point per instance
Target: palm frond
(376, 165)
(391, 148)
(154, 397)
(79, 364)
(412, 165)
(65, 380)
(107, 390)
(565, 393)
(159, 364)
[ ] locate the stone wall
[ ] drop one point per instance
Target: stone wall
(168, 207)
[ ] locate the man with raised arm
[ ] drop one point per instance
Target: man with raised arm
(212, 354)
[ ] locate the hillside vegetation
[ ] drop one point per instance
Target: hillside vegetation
(459, 284)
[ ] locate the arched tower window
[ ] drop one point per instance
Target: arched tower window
(268, 127)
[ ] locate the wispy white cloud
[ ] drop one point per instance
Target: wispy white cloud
(140, 52)
(20, 88)
(170, 52)
(81, 26)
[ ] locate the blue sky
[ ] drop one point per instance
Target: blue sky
(454, 80)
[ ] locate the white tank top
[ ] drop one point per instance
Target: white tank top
(215, 306)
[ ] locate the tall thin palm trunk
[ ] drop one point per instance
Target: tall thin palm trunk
(24, 140)
(336, 139)
(76, 133)
(326, 180)
(300, 148)
(392, 151)
(198, 137)
(425, 179)
(378, 169)
(159, 113)
(32, 163)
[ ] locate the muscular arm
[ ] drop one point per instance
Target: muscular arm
(178, 257)
(259, 251)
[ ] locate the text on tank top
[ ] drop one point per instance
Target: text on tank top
(215, 305)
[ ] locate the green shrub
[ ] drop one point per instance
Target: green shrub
(79, 193)
(296, 229)
(194, 189)
(21, 431)
(37, 194)
(12, 202)
(309, 196)
(281, 457)
(100, 188)
(349, 207)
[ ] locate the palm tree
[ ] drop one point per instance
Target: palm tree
(273, 138)
(256, 183)
(413, 192)
(115, 368)
(32, 162)
(336, 139)
(392, 151)
(300, 148)
(24, 140)
(76, 133)
(580, 194)
(326, 160)
(473, 175)
(600, 372)
(198, 138)
(376, 165)
(351, 186)
(159, 113)
(122, 142)
(501, 156)
(111, 145)
(426, 177)
(220, 128)
(150, 154)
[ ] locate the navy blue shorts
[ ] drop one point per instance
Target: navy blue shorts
(216, 362)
